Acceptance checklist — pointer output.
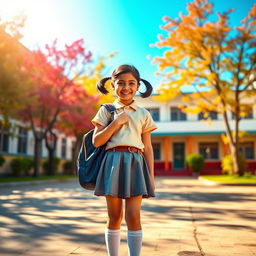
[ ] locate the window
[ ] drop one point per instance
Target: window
(63, 148)
(154, 113)
(249, 113)
(209, 150)
(4, 139)
(247, 150)
(73, 149)
(177, 114)
(156, 149)
(22, 141)
(212, 115)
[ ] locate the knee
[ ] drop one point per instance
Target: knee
(115, 218)
(132, 219)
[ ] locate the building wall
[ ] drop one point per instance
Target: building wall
(192, 132)
(13, 149)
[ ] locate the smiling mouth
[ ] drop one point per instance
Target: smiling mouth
(125, 93)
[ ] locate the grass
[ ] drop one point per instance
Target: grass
(231, 179)
(30, 178)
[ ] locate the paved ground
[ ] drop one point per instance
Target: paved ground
(188, 218)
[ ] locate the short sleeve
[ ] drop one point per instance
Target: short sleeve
(149, 124)
(101, 117)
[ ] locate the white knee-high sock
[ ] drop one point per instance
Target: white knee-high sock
(112, 238)
(134, 239)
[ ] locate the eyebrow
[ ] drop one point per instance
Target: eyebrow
(128, 80)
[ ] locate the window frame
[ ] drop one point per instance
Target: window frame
(4, 140)
(154, 148)
(242, 149)
(211, 116)
(180, 114)
(63, 151)
(209, 144)
(154, 111)
(22, 145)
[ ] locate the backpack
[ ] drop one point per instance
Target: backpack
(90, 158)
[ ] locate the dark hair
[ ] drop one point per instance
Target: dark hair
(122, 69)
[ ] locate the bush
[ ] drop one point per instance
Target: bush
(195, 162)
(67, 167)
(2, 160)
(55, 165)
(20, 166)
(227, 164)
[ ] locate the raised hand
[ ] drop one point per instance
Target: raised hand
(121, 118)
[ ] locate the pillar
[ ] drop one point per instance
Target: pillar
(166, 153)
(189, 145)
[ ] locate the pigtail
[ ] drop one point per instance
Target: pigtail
(148, 91)
(101, 85)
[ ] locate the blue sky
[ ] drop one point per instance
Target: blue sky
(126, 26)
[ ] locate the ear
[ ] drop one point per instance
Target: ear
(138, 87)
(112, 85)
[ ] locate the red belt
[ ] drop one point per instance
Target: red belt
(126, 149)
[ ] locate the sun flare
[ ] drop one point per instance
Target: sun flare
(44, 18)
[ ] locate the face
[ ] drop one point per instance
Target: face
(125, 87)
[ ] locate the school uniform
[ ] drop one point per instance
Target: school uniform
(122, 173)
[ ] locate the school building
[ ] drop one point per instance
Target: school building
(180, 134)
(19, 142)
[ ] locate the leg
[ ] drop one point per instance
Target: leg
(132, 212)
(112, 233)
(132, 217)
(115, 212)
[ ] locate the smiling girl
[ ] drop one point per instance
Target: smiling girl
(127, 172)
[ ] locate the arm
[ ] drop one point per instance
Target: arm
(102, 134)
(148, 154)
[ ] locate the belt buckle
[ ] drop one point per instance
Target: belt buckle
(132, 149)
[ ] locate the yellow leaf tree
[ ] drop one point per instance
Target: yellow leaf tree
(218, 60)
(11, 57)
(90, 80)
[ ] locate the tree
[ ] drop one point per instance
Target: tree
(52, 73)
(90, 79)
(216, 59)
(11, 57)
(75, 119)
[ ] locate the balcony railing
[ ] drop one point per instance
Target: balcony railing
(202, 127)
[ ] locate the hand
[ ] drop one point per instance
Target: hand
(121, 118)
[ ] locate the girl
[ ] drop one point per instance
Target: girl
(127, 169)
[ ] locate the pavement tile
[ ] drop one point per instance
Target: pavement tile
(63, 219)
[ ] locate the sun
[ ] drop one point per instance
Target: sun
(44, 22)
(12, 8)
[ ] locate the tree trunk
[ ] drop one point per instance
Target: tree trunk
(50, 142)
(37, 155)
(236, 163)
(233, 144)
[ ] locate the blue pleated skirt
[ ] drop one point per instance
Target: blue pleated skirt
(124, 175)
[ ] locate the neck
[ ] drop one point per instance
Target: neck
(126, 102)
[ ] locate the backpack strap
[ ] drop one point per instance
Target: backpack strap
(110, 107)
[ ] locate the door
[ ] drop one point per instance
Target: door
(178, 155)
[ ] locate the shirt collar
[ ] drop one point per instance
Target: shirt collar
(118, 105)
